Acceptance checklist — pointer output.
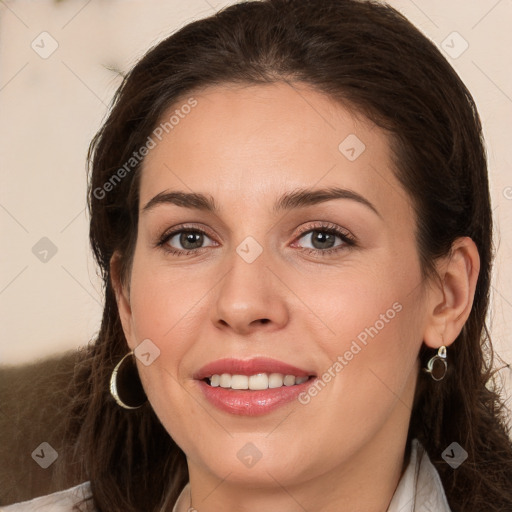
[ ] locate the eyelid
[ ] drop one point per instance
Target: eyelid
(324, 225)
(348, 239)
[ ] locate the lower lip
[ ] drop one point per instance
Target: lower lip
(252, 403)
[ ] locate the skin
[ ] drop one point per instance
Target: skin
(246, 146)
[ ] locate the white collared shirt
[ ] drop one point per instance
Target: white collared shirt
(419, 490)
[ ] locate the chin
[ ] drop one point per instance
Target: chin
(254, 462)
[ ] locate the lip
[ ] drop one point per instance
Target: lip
(247, 402)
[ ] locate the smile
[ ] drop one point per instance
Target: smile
(252, 387)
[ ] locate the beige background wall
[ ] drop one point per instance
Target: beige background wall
(51, 106)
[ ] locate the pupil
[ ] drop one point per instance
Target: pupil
(189, 237)
(322, 240)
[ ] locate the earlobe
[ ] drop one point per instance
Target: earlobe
(451, 297)
(122, 296)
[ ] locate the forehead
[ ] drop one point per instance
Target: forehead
(249, 144)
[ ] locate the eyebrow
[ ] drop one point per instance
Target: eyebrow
(300, 198)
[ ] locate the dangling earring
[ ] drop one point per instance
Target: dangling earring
(437, 365)
(125, 384)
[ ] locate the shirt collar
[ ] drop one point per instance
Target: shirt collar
(420, 489)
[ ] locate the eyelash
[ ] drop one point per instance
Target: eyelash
(347, 239)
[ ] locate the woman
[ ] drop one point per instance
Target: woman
(290, 209)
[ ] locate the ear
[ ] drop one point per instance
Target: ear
(451, 296)
(122, 293)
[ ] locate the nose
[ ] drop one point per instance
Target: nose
(250, 298)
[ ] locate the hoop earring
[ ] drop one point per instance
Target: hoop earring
(125, 384)
(437, 365)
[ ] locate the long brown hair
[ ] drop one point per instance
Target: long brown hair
(367, 56)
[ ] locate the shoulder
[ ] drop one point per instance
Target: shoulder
(62, 501)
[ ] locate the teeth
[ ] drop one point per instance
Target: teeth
(259, 381)
(239, 382)
(289, 380)
(255, 382)
(275, 380)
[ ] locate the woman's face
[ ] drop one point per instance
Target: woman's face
(302, 252)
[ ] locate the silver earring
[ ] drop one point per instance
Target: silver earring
(125, 384)
(437, 365)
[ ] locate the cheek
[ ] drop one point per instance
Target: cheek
(160, 303)
(370, 363)
(158, 309)
(160, 299)
(371, 325)
(363, 303)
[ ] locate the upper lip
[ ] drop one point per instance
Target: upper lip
(249, 367)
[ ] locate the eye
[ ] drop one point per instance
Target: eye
(185, 241)
(319, 240)
(325, 239)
